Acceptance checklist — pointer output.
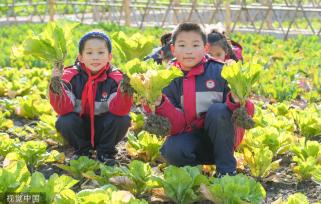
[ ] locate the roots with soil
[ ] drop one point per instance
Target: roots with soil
(242, 119)
(127, 88)
(56, 81)
(157, 125)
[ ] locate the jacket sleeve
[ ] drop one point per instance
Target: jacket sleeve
(65, 103)
(119, 103)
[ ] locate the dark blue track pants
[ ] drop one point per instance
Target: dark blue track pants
(211, 145)
(109, 130)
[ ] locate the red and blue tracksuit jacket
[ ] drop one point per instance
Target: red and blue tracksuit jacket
(91, 95)
(186, 99)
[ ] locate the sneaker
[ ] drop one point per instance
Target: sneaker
(221, 175)
(107, 159)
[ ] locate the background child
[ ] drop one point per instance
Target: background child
(93, 110)
(220, 48)
(162, 54)
(199, 106)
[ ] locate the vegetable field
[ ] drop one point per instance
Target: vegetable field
(279, 160)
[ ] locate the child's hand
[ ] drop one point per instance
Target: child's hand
(230, 62)
(235, 98)
(150, 107)
(158, 101)
(56, 72)
(125, 86)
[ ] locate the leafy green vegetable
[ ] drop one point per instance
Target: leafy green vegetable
(7, 144)
(145, 146)
(278, 142)
(107, 194)
(241, 77)
(4, 122)
(136, 178)
(308, 160)
(130, 47)
(80, 166)
(56, 188)
(149, 85)
(50, 45)
(181, 184)
(309, 121)
(297, 198)
(14, 176)
(46, 129)
(234, 189)
(33, 152)
(32, 106)
(136, 66)
(260, 161)
(266, 118)
(137, 122)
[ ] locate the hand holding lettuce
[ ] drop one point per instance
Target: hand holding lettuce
(241, 78)
(125, 86)
(50, 46)
(148, 84)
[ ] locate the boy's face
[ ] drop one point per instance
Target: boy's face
(95, 55)
(217, 51)
(189, 49)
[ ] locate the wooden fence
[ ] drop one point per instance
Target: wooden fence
(280, 17)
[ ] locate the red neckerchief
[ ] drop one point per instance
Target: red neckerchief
(88, 98)
(189, 90)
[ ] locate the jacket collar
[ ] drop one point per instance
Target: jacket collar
(100, 76)
(197, 69)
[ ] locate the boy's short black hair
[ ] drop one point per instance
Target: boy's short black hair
(187, 27)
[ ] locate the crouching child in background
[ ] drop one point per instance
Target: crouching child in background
(162, 55)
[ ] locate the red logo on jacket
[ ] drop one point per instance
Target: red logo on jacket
(104, 96)
(210, 84)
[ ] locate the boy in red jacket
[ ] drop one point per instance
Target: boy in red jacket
(93, 109)
(199, 106)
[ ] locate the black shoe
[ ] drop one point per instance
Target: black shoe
(81, 153)
(107, 159)
(221, 175)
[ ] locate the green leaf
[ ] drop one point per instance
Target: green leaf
(241, 77)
